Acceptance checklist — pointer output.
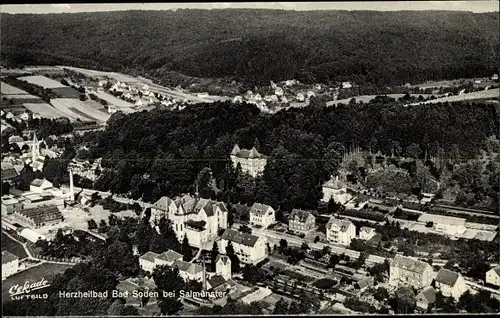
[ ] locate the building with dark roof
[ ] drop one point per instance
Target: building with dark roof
(10, 264)
(426, 298)
(410, 271)
(250, 249)
(251, 161)
(450, 284)
(9, 173)
(216, 282)
(301, 221)
(40, 216)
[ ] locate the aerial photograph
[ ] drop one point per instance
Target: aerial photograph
(250, 158)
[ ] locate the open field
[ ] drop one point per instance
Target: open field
(66, 92)
(46, 271)
(22, 97)
(84, 109)
(9, 89)
(367, 98)
(448, 83)
(44, 110)
(13, 247)
(42, 81)
(491, 93)
(112, 100)
(68, 106)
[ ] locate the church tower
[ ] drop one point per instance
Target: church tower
(35, 149)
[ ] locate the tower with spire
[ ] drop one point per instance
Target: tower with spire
(35, 149)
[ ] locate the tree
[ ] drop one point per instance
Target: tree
(116, 308)
(245, 229)
(413, 151)
(235, 261)
(316, 239)
(214, 254)
(168, 280)
(129, 311)
(91, 224)
(283, 245)
(186, 250)
(304, 246)
(404, 301)
(281, 307)
(253, 274)
(381, 294)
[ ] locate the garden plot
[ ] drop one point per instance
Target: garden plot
(44, 110)
(9, 89)
(66, 105)
(43, 81)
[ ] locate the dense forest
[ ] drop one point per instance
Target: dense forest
(163, 152)
(255, 46)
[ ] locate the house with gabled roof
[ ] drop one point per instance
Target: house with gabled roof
(366, 233)
(40, 185)
(189, 271)
(262, 214)
(250, 249)
(216, 283)
(251, 161)
(493, 276)
(223, 266)
(450, 283)
(425, 298)
(410, 271)
(150, 260)
(340, 231)
(301, 221)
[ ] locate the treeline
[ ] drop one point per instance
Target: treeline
(157, 153)
(255, 46)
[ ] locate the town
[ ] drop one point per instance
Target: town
(124, 196)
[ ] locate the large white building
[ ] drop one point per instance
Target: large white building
(223, 266)
(262, 214)
(340, 231)
(251, 161)
(447, 225)
(249, 248)
(336, 190)
(493, 276)
(10, 264)
(196, 218)
(451, 284)
(409, 271)
(150, 260)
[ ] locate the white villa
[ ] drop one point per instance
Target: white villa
(150, 260)
(263, 215)
(197, 218)
(223, 266)
(493, 276)
(249, 248)
(251, 161)
(336, 190)
(340, 231)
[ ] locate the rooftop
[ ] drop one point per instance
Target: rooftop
(216, 281)
(441, 219)
(149, 256)
(366, 229)
(300, 214)
(334, 183)
(169, 256)
(240, 238)
(343, 224)
(447, 277)
(410, 264)
(42, 214)
(429, 293)
(190, 268)
(260, 209)
(224, 258)
(245, 153)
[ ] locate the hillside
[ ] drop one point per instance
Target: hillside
(256, 46)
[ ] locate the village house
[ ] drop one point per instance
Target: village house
(409, 271)
(300, 97)
(39, 216)
(346, 85)
(249, 249)
(189, 271)
(261, 214)
(10, 264)
(251, 161)
(150, 260)
(301, 221)
(366, 233)
(340, 231)
(10, 204)
(336, 190)
(9, 173)
(40, 185)
(223, 266)
(425, 298)
(451, 284)
(493, 276)
(446, 225)
(196, 218)
(216, 283)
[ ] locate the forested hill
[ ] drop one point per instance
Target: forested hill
(261, 45)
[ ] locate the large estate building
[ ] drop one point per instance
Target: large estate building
(409, 271)
(196, 218)
(251, 161)
(249, 248)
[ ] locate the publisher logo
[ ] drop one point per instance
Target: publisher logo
(28, 290)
